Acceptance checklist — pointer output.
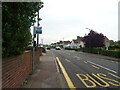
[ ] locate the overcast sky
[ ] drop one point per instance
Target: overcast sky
(68, 19)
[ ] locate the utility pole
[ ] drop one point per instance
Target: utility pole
(33, 51)
(38, 26)
(34, 44)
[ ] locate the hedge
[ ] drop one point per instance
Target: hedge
(76, 49)
(113, 47)
(111, 53)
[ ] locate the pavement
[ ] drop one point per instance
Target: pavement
(46, 74)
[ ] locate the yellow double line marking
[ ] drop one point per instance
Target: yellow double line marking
(69, 82)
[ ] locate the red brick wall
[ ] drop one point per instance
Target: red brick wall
(16, 69)
(38, 53)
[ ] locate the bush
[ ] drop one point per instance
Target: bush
(76, 49)
(111, 53)
(113, 47)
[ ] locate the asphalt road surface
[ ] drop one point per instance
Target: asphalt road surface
(86, 71)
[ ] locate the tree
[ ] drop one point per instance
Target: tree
(94, 39)
(17, 18)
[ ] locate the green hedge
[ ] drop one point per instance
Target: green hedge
(113, 47)
(111, 53)
(76, 49)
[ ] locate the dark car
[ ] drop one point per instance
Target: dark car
(48, 48)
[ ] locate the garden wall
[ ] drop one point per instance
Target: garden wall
(16, 69)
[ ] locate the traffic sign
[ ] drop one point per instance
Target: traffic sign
(38, 30)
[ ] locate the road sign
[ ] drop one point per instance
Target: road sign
(38, 30)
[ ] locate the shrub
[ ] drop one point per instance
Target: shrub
(111, 53)
(112, 47)
(76, 49)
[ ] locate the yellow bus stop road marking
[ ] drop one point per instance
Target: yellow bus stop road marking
(69, 82)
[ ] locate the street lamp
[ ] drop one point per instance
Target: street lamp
(89, 29)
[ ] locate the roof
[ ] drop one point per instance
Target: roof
(67, 42)
(76, 40)
(105, 38)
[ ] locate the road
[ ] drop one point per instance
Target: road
(86, 71)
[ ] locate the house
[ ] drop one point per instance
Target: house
(66, 44)
(106, 42)
(77, 43)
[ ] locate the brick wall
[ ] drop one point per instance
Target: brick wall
(38, 53)
(16, 69)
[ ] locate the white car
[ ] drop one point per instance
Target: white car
(57, 48)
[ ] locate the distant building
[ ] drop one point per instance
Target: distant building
(106, 42)
(66, 44)
(77, 43)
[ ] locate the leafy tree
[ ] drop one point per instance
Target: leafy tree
(94, 39)
(17, 18)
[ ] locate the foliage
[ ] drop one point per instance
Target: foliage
(113, 47)
(17, 18)
(94, 39)
(67, 48)
(111, 53)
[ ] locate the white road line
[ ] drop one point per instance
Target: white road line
(67, 60)
(80, 52)
(85, 62)
(76, 57)
(68, 54)
(102, 67)
(95, 67)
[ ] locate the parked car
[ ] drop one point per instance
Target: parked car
(57, 48)
(48, 48)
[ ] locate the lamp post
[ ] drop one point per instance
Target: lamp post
(89, 29)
